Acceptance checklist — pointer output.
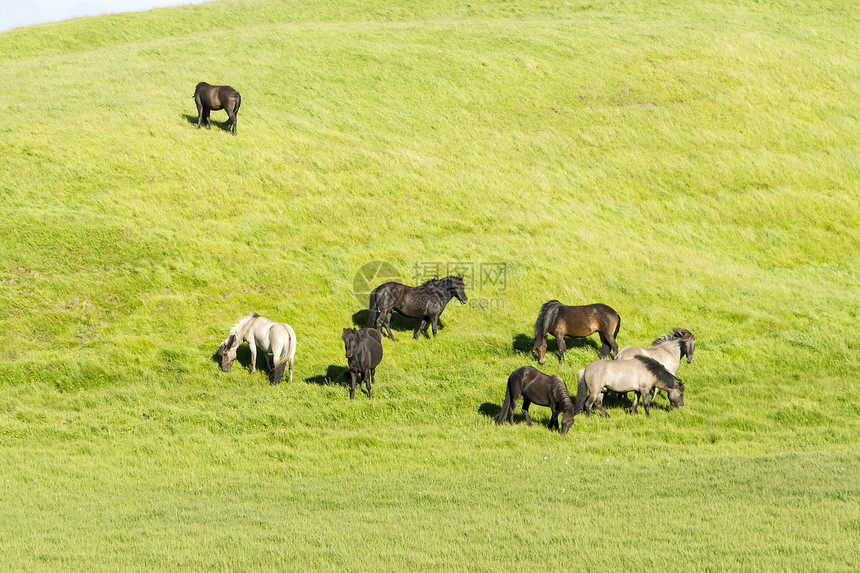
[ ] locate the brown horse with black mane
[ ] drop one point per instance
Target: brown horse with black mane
(209, 97)
(542, 389)
(562, 320)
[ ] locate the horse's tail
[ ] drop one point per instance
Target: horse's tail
(371, 311)
(581, 391)
(506, 406)
(238, 102)
(546, 316)
(279, 371)
(617, 326)
(286, 356)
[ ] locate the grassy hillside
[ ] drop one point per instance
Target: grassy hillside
(688, 164)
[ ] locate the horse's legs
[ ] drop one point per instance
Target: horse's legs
(232, 115)
(599, 403)
(385, 320)
(647, 402)
(635, 401)
(368, 380)
(253, 348)
(291, 369)
(654, 395)
(206, 111)
(588, 403)
(559, 337)
(199, 113)
(420, 328)
(352, 386)
(526, 404)
(553, 422)
(433, 321)
(608, 344)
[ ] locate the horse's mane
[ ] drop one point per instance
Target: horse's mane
(677, 333)
(559, 389)
(659, 371)
(541, 325)
(250, 316)
(432, 282)
(436, 280)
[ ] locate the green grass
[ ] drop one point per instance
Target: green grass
(689, 164)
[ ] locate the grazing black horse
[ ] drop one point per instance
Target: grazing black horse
(209, 97)
(363, 353)
(543, 390)
(577, 321)
(425, 302)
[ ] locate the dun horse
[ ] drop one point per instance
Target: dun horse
(637, 375)
(363, 353)
(265, 335)
(577, 321)
(668, 350)
(210, 98)
(426, 302)
(542, 389)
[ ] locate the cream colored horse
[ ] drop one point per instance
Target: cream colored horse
(668, 350)
(639, 375)
(265, 335)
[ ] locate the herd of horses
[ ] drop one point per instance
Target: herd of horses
(638, 370)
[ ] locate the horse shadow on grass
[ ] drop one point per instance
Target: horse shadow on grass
(399, 324)
(492, 411)
(524, 344)
(335, 375)
(223, 125)
(243, 358)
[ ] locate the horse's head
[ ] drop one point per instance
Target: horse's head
(540, 348)
(227, 352)
(676, 394)
(688, 342)
(350, 339)
(563, 403)
(457, 288)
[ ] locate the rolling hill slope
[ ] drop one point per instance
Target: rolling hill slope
(688, 164)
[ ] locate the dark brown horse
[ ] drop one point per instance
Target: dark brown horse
(542, 389)
(209, 97)
(578, 321)
(426, 302)
(363, 354)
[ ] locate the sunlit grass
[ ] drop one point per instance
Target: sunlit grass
(689, 165)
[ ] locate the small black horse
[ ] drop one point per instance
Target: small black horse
(425, 302)
(363, 353)
(209, 97)
(577, 321)
(543, 390)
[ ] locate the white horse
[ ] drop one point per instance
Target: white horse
(267, 335)
(668, 350)
(639, 375)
